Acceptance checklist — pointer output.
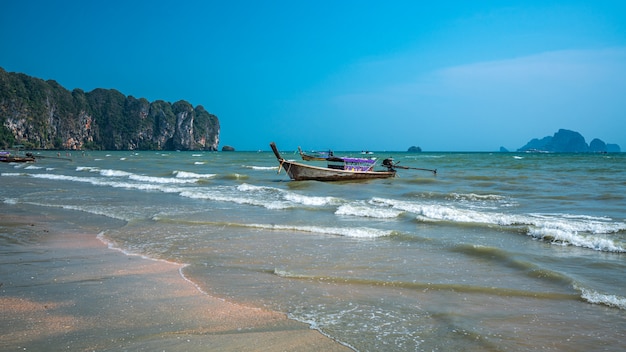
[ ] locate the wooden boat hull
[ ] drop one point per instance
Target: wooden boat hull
(307, 157)
(17, 159)
(8, 157)
(301, 172)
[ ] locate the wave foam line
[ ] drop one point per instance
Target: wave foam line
(264, 193)
(356, 232)
(364, 210)
(186, 174)
(595, 297)
(181, 266)
(260, 167)
(111, 183)
(576, 230)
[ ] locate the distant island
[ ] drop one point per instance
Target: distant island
(40, 114)
(566, 141)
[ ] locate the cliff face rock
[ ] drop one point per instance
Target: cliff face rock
(44, 115)
(566, 141)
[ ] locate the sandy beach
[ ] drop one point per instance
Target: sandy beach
(65, 289)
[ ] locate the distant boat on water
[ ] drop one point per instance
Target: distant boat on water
(320, 156)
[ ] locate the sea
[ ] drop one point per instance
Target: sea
(494, 252)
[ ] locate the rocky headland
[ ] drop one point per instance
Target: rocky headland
(566, 141)
(42, 114)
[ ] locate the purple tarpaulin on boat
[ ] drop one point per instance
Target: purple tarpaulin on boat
(358, 160)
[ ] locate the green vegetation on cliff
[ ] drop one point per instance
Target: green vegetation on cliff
(43, 115)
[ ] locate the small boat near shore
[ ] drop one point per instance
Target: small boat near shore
(7, 157)
(338, 168)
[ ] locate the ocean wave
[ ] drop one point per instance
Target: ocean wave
(595, 297)
(477, 197)
(186, 174)
(144, 178)
(114, 173)
(558, 236)
(355, 232)
(87, 168)
(260, 167)
(153, 179)
(180, 176)
(364, 210)
(581, 231)
(263, 192)
(310, 200)
(246, 187)
(96, 181)
(268, 197)
(95, 210)
(232, 198)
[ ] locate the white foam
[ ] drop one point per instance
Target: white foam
(186, 174)
(114, 173)
(595, 297)
(11, 201)
(261, 167)
(356, 232)
(578, 230)
(246, 187)
(162, 187)
(227, 194)
(185, 178)
(477, 197)
(152, 179)
(363, 210)
(266, 194)
(310, 200)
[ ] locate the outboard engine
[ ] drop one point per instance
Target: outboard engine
(388, 163)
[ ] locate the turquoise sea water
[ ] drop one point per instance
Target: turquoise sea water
(498, 251)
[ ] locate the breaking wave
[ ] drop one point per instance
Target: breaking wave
(565, 229)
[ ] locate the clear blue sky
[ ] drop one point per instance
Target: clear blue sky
(346, 75)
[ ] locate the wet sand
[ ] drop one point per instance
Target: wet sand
(64, 289)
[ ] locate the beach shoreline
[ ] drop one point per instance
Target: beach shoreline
(62, 288)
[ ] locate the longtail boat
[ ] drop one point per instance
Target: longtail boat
(7, 157)
(319, 156)
(338, 168)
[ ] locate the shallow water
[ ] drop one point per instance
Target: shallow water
(501, 251)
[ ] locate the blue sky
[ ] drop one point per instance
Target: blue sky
(345, 75)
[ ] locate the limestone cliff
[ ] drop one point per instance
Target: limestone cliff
(566, 141)
(44, 115)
